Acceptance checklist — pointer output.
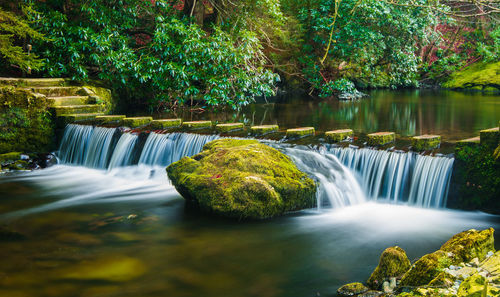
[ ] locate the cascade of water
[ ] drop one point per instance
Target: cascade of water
(399, 176)
(98, 149)
(74, 144)
(164, 149)
(337, 186)
(122, 155)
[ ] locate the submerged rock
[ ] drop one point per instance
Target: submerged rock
(352, 289)
(242, 179)
(393, 263)
(116, 269)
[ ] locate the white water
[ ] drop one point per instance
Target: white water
(345, 176)
(399, 176)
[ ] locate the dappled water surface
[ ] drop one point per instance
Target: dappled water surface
(87, 232)
(454, 115)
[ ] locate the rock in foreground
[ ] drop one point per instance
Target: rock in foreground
(242, 179)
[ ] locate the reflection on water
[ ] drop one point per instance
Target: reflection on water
(454, 115)
(146, 244)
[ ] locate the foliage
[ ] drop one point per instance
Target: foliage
(147, 50)
(478, 175)
(340, 85)
(13, 30)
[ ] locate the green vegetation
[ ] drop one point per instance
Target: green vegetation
(13, 32)
(242, 179)
(25, 122)
(480, 76)
(477, 174)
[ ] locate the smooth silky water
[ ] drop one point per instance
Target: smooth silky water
(107, 222)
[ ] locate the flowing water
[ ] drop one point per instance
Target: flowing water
(107, 222)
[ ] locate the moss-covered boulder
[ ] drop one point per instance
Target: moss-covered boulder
(470, 244)
(242, 179)
(479, 76)
(393, 263)
(352, 289)
(25, 121)
(425, 269)
(474, 286)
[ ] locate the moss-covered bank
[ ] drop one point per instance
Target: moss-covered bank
(242, 179)
(479, 76)
(25, 121)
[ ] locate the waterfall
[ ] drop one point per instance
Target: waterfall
(345, 176)
(165, 149)
(337, 186)
(399, 176)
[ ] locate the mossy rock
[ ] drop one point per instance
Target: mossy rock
(470, 244)
(197, 125)
(490, 138)
(10, 157)
(474, 286)
(101, 96)
(338, 135)
(242, 179)
(300, 132)
(393, 263)
(25, 121)
(425, 142)
(228, 127)
(381, 138)
(136, 122)
(479, 76)
(109, 119)
(425, 269)
(469, 142)
(352, 289)
(442, 280)
(165, 124)
(264, 129)
(113, 269)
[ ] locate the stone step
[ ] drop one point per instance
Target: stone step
(264, 129)
(56, 91)
(338, 135)
(425, 142)
(165, 123)
(472, 142)
(197, 125)
(136, 122)
(70, 100)
(381, 138)
(300, 132)
(32, 82)
(228, 127)
(490, 137)
(65, 119)
(109, 119)
(76, 109)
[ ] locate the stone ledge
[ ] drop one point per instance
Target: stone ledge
(338, 135)
(228, 127)
(165, 123)
(425, 142)
(264, 129)
(300, 132)
(490, 137)
(381, 138)
(197, 124)
(136, 121)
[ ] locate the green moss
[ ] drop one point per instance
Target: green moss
(300, 132)
(136, 122)
(264, 129)
(197, 124)
(76, 109)
(33, 82)
(424, 270)
(242, 179)
(473, 286)
(109, 119)
(165, 124)
(101, 96)
(470, 244)
(228, 127)
(426, 142)
(381, 138)
(393, 263)
(8, 157)
(479, 75)
(352, 289)
(490, 138)
(442, 280)
(25, 122)
(65, 119)
(338, 135)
